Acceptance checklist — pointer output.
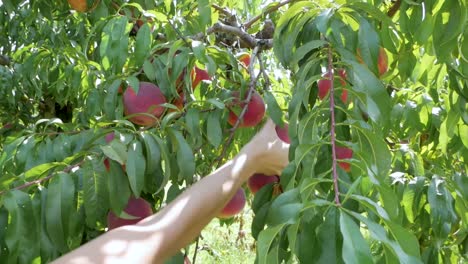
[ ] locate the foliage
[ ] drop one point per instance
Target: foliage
(405, 199)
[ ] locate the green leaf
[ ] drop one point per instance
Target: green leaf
(21, 233)
(59, 209)
(204, 9)
(119, 189)
(165, 157)
(273, 109)
(149, 70)
(355, 248)
(110, 100)
(442, 212)
(152, 152)
(95, 193)
(265, 239)
(135, 167)
(213, 130)
(143, 44)
(285, 208)
(116, 151)
(185, 158)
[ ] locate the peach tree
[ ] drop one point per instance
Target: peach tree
(110, 103)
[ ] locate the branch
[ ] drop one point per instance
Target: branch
(225, 11)
(272, 9)
(4, 60)
(332, 132)
(250, 40)
(48, 177)
(394, 8)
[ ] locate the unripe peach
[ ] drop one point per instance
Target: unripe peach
(136, 207)
(234, 206)
(344, 153)
(258, 180)
(382, 62)
(324, 85)
(254, 113)
(148, 100)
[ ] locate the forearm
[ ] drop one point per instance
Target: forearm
(183, 219)
(162, 235)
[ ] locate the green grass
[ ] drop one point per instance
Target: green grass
(227, 243)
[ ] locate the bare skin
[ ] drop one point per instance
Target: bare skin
(163, 234)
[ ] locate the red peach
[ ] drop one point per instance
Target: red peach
(324, 85)
(136, 207)
(148, 100)
(245, 59)
(254, 113)
(234, 206)
(344, 153)
(258, 180)
(197, 75)
(282, 133)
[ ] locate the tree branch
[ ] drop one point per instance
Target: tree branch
(48, 177)
(250, 40)
(394, 8)
(272, 9)
(333, 123)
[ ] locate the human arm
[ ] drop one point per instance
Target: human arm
(163, 234)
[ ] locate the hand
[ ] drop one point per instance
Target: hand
(266, 151)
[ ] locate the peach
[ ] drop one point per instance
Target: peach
(382, 60)
(324, 85)
(254, 113)
(136, 207)
(197, 75)
(82, 5)
(282, 133)
(245, 59)
(234, 206)
(344, 153)
(148, 100)
(258, 180)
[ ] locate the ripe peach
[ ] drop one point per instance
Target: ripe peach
(148, 100)
(258, 180)
(282, 133)
(324, 85)
(344, 153)
(234, 206)
(197, 75)
(253, 115)
(82, 5)
(245, 59)
(136, 207)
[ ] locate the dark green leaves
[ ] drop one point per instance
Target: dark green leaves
(60, 209)
(135, 167)
(355, 248)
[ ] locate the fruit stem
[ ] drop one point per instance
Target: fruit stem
(332, 130)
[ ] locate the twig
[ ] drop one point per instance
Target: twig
(196, 250)
(272, 9)
(252, 84)
(266, 87)
(394, 8)
(222, 10)
(250, 40)
(332, 132)
(52, 174)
